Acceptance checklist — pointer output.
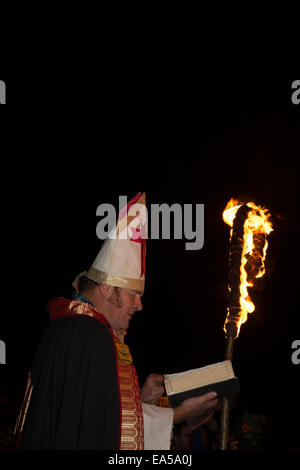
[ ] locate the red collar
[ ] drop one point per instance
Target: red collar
(60, 307)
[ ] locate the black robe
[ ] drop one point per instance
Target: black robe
(75, 401)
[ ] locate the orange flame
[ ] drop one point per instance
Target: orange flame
(257, 222)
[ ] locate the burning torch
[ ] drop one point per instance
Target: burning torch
(250, 226)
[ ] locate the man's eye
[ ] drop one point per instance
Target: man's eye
(134, 295)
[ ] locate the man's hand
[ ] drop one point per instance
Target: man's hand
(152, 389)
(193, 409)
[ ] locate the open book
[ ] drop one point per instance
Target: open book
(217, 377)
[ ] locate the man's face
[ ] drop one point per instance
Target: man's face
(123, 304)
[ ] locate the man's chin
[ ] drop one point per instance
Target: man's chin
(125, 325)
(129, 318)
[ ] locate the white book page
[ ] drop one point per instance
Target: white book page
(211, 366)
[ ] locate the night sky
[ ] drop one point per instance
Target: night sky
(187, 132)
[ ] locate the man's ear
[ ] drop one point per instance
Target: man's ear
(105, 290)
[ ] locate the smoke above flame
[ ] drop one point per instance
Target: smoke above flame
(256, 228)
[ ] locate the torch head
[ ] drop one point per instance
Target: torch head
(248, 245)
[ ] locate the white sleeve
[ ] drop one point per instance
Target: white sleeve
(158, 424)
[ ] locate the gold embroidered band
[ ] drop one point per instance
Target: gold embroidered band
(24, 408)
(132, 435)
(116, 281)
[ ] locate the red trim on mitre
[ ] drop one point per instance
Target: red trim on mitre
(139, 235)
(124, 211)
(143, 258)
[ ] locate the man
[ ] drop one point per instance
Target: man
(83, 391)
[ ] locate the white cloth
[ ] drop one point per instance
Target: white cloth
(158, 424)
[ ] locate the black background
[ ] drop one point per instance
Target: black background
(185, 129)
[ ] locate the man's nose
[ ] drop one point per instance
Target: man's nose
(138, 303)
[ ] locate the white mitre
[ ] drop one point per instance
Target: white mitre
(121, 262)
